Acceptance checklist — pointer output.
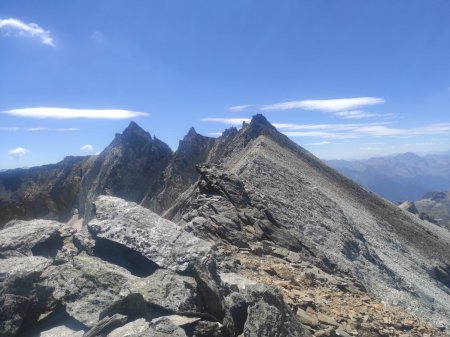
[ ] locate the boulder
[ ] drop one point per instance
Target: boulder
(22, 298)
(91, 288)
(35, 237)
(159, 240)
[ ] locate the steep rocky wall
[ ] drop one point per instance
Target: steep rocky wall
(48, 191)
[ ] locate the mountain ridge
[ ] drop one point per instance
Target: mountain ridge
(257, 191)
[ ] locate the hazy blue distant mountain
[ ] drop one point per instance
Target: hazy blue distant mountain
(437, 206)
(406, 176)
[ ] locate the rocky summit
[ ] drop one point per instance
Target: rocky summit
(247, 234)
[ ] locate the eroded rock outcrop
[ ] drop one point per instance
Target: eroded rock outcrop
(262, 207)
(159, 240)
(49, 191)
(131, 167)
(77, 292)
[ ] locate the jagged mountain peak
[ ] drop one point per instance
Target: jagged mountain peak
(133, 130)
(192, 132)
(258, 125)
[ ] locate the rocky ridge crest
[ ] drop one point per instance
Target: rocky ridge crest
(275, 215)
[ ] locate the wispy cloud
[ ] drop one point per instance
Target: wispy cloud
(17, 27)
(34, 129)
(228, 121)
(358, 114)
(65, 113)
(215, 134)
(68, 129)
(319, 143)
(238, 108)
(37, 129)
(348, 131)
(18, 152)
(330, 127)
(87, 148)
(326, 105)
(9, 128)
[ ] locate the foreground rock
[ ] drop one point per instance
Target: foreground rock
(258, 195)
(126, 280)
(22, 297)
(21, 238)
(141, 230)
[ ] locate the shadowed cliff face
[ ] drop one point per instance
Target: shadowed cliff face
(131, 167)
(49, 191)
(180, 172)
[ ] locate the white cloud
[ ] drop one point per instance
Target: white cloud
(68, 129)
(65, 113)
(87, 148)
(320, 143)
(320, 134)
(358, 114)
(37, 129)
(333, 127)
(18, 152)
(9, 128)
(215, 134)
(17, 27)
(228, 121)
(326, 105)
(238, 108)
(348, 131)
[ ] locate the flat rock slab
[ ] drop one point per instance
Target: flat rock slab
(161, 241)
(60, 331)
(20, 267)
(89, 286)
(19, 237)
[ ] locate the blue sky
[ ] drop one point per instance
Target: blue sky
(344, 79)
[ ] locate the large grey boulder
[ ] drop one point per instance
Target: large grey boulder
(256, 310)
(22, 298)
(159, 240)
(20, 238)
(91, 289)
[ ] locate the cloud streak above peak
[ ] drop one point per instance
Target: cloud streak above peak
(66, 113)
(238, 108)
(17, 27)
(228, 121)
(326, 105)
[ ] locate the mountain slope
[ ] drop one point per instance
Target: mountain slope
(266, 201)
(333, 220)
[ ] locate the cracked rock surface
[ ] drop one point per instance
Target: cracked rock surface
(76, 292)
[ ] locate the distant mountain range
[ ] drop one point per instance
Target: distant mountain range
(406, 176)
(437, 206)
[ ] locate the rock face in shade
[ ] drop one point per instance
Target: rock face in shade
(243, 213)
(181, 172)
(131, 167)
(49, 191)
